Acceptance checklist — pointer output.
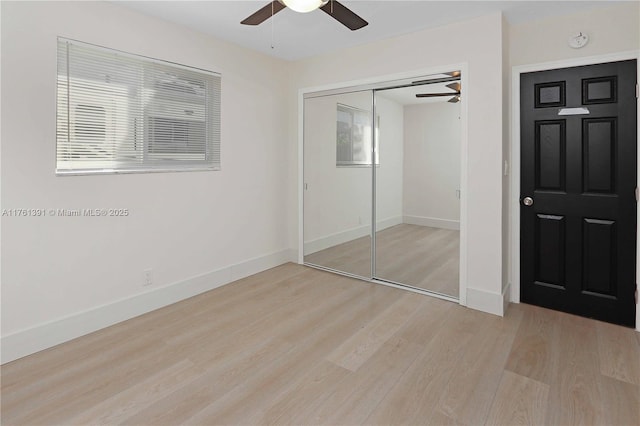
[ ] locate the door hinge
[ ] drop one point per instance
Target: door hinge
(637, 194)
(636, 294)
(637, 91)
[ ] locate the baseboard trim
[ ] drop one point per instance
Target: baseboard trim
(341, 237)
(43, 336)
(432, 222)
(492, 303)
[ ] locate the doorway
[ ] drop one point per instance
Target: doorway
(382, 191)
(578, 133)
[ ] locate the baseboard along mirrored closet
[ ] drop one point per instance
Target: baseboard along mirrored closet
(382, 182)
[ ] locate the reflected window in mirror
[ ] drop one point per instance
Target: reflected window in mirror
(353, 137)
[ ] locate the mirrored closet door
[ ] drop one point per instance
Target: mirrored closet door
(382, 183)
(417, 190)
(338, 155)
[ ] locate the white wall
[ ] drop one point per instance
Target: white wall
(432, 164)
(65, 276)
(610, 29)
(477, 43)
(337, 205)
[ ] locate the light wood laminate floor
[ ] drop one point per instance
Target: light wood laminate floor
(295, 345)
(419, 256)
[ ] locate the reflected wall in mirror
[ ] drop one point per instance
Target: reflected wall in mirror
(422, 250)
(338, 182)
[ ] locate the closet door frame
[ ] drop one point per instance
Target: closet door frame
(380, 82)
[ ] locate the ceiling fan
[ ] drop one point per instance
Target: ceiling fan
(455, 96)
(332, 7)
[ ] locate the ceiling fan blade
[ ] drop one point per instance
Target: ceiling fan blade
(434, 95)
(454, 86)
(344, 15)
(455, 99)
(435, 81)
(265, 13)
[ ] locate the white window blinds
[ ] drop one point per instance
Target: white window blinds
(118, 113)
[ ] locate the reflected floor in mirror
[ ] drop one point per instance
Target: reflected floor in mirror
(419, 256)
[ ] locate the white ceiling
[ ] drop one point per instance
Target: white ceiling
(290, 35)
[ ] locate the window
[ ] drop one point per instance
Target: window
(120, 113)
(353, 138)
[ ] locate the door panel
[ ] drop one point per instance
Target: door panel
(598, 147)
(599, 256)
(578, 238)
(601, 90)
(550, 155)
(550, 250)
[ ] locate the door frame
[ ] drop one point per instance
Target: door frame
(514, 196)
(376, 82)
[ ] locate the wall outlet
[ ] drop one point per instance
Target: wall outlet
(148, 277)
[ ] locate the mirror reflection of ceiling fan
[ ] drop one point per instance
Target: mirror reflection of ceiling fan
(455, 96)
(333, 8)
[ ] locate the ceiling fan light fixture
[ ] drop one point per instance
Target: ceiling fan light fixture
(304, 6)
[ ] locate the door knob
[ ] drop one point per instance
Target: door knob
(528, 201)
